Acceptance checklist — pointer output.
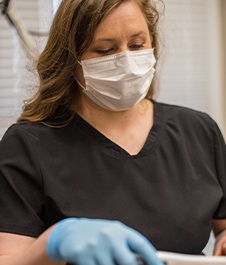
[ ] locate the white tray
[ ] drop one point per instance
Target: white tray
(183, 259)
(170, 258)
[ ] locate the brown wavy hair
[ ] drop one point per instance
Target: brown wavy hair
(70, 35)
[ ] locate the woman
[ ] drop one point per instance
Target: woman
(95, 169)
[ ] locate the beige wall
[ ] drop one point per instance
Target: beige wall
(192, 66)
(15, 83)
(223, 3)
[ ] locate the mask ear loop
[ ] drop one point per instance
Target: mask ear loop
(79, 62)
(77, 79)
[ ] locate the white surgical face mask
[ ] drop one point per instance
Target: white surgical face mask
(118, 82)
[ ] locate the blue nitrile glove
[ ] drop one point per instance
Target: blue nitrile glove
(89, 242)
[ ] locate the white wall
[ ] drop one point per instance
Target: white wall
(192, 69)
(192, 72)
(14, 79)
(223, 16)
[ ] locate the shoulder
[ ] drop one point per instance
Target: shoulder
(41, 134)
(181, 111)
(184, 115)
(188, 122)
(24, 130)
(22, 138)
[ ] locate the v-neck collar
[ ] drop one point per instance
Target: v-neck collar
(112, 147)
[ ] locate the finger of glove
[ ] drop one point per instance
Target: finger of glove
(85, 261)
(140, 245)
(104, 258)
(123, 255)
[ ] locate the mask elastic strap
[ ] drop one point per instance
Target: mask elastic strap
(79, 83)
(77, 79)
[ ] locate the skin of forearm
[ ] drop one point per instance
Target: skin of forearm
(35, 254)
(219, 246)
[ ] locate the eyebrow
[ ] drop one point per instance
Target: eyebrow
(132, 36)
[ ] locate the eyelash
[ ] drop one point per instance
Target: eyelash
(104, 51)
(137, 46)
(133, 47)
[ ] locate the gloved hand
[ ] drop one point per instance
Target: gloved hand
(89, 242)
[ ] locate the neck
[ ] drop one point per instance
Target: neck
(129, 129)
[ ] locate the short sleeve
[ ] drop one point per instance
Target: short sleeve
(21, 197)
(220, 162)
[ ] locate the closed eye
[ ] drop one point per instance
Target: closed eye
(136, 46)
(104, 52)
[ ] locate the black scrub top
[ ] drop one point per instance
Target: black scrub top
(169, 191)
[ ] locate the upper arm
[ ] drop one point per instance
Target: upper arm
(21, 208)
(12, 243)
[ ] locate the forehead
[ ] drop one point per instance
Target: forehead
(126, 18)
